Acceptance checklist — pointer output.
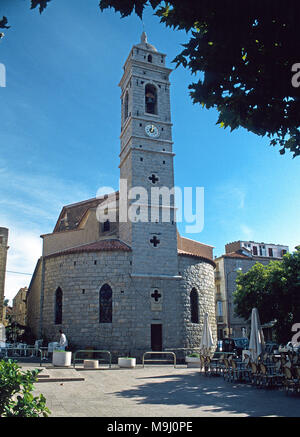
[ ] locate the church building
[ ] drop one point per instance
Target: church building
(127, 285)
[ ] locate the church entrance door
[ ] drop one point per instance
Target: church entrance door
(156, 337)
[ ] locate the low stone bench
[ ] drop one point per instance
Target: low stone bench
(90, 364)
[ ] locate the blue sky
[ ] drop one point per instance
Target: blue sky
(60, 126)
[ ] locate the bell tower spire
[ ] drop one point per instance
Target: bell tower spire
(144, 38)
(146, 161)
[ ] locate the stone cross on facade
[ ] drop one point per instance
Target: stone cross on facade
(155, 241)
(153, 179)
(156, 295)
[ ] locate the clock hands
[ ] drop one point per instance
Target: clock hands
(151, 130)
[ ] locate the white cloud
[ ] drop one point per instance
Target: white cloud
(231, 195)
(247, 232)
(29, 207)
(25, 248)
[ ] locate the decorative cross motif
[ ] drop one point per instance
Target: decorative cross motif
(153, 179)
(154, 241)
(156, 295)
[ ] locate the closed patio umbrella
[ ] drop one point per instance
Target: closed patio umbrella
(257, 342)
(206, 340)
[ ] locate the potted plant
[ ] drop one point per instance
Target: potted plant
(128, 362)
(61, 358)
(193, 360)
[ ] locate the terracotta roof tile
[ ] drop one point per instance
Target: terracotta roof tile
(98, 246)
(183, 252)
(236, 255)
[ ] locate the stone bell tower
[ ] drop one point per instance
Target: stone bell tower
(146, 162)
(3, 257)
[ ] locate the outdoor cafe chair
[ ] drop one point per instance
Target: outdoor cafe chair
(245, 370)
(255, 374)
(227, 370)
(267, 379)
(278, 373)
(290, 383)
(211, 367)
(265, 357)
(236, 371)
(297, 372)
(220, 367)
(202, 362)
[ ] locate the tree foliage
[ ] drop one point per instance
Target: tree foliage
(274, 289)
(16, 398)
(245, 51)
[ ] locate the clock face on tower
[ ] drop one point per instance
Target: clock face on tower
(152, 130)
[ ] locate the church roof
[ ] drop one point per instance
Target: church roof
(71, 215)
(203, 258)
(98, 246)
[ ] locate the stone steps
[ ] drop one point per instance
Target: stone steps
(59, 374)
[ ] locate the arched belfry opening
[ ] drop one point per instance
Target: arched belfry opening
(149, 58)
(150, 99)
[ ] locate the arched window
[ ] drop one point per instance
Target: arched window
(105, 304)
(149, 58)
(194, 306)
(126, 106)
(150, 99)
(58, 306)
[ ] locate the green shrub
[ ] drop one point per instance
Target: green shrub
(16, 386)
(194, 355)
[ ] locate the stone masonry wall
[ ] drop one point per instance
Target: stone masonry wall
(134, 310)
(199, 275)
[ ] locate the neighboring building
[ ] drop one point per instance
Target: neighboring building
(127, 286)
(7, 315)
(257, 250)
(240, 255)
(33, 301)
(19, 307)
(3, 257)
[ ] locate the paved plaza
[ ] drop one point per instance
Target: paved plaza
(158, 391)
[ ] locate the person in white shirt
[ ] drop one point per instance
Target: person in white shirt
(63, 342)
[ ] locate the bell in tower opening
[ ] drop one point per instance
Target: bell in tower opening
(150, 99)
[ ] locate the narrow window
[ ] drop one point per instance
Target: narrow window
(105, 304)
(58, 306)
(270, 251)
(219, 308)
(149, 58)
(254, 250)
(194, 306)
(106, 226)
(150, 99)
(126, 107)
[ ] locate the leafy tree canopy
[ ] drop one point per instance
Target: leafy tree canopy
(248, 52)
(274, 289)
